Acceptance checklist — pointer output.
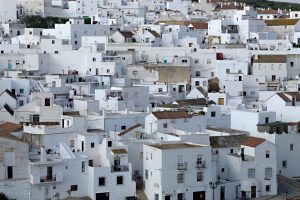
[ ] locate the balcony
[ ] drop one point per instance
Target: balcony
(182, 166)
(57, 178)
(119, 168)
(201, 165)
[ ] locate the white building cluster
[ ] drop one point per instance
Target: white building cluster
(154, 99)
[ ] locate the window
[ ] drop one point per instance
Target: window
(231, 150)
(123, 127)
(268, 188)
(213, 114)
(251, 173)
(160, 89)
(91, 163)
(119, 180)
(101, 181)
(83, 166)
(21, 103)
(268, 173)
(180, 178)
(198, 73)
(212, 74)
(180, 196)
(135, 73)
(53, 41)
(199, 176)
(165, 125)
(35, 118)
(291, 147)
(72, 143)
(184, 61)
(9, 172)
(266, 120)
(197, 83)
(223, 170)
(267, 154)
(21, 91)
(109, 143)
(284, 164)
(74, 188)
(92, 144)
(227, 71)
(156, 196)
(47, 102)
(292, 64)
(146, 174)
(208, 61)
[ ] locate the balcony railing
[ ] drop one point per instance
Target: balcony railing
(182, 166)
(119, 168)
(201, 165)
(57, 178)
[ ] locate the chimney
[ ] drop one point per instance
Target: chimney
(43, 154)
(242, 154)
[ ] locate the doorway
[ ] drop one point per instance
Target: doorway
(49, 173)
(199, 195)
(253, 191)
(102, 196)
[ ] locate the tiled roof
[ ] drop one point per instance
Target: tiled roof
(126, 34)
(271, 59)
(154, 33)
(253, 141)
(284, 97)
(11, 127)
(9, 110)
(73, 114)
(200, 89)
(175, 145)
(9, 93)
(229, 7)
(119, 151)
(281, 22)
(7, 135)
(227, 141)
(268, 11)
(192, 102)
(200, 25)
(129, 129)
(171, 114)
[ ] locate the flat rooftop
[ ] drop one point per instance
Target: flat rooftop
(176, 145)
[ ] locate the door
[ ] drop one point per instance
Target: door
(9, 172)
(273, 78)
(167, 197)
(222, 194)
(82, 145)
(102, 196)
(253, 191)
(221, 101)
(199, 195)
(49, 173)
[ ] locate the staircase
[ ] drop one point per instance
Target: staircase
(141, 195)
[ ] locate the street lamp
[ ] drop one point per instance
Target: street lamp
(213, 186)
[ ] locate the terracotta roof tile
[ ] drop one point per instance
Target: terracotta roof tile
(129, 129)
(281, 22)
(271, 59)
(171, 115)
(11, 127)
(253, 141)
